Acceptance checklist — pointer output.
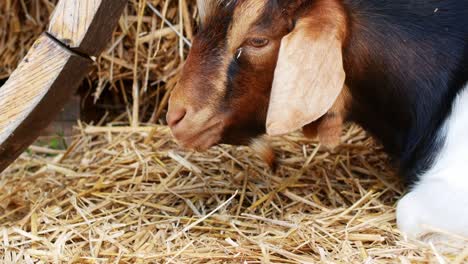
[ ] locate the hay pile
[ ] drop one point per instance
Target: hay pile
(130, 195)
(120, 194)
(20, 23)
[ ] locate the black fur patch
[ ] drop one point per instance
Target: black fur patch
(411, 58)
(232, 73)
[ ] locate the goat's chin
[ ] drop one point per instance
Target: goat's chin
(208, 144)
(203, 139)
(241, 139)
(237, 142)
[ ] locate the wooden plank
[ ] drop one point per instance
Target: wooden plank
(86, 25)
(33, 95)
(52, 70)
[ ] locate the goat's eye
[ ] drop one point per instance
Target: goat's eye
(258, 42)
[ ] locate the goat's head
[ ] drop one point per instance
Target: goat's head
(256, 66)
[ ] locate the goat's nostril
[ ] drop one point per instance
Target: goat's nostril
(174, 117)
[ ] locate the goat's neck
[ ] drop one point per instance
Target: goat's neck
(400, 77)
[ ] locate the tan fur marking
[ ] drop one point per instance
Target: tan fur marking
(219, 81)
(262, 147)
(206, 8)
(244, 16)
(247, 13)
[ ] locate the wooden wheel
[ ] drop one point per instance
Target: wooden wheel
(52, 71)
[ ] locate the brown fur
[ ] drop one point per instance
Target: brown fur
(262, 147)
(328, 129)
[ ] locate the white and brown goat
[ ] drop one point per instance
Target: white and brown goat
(399, 68)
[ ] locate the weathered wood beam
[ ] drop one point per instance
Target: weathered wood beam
(52, 71)
(35, 93)
(85, 26)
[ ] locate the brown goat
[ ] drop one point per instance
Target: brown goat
(240, 53)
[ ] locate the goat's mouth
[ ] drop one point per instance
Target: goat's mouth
(199, 139)
(191, 132)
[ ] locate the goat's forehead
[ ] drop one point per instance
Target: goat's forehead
(238, 5)
(229, 22)
(245, 15)
(239, 11)
(248, 10)
(234, 18)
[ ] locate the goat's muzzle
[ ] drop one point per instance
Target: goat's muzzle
(198, 130)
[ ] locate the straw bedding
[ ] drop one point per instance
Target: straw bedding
(128, 194)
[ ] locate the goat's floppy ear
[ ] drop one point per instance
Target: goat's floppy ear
(309, 76)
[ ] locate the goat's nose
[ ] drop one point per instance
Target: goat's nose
(174, 116)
